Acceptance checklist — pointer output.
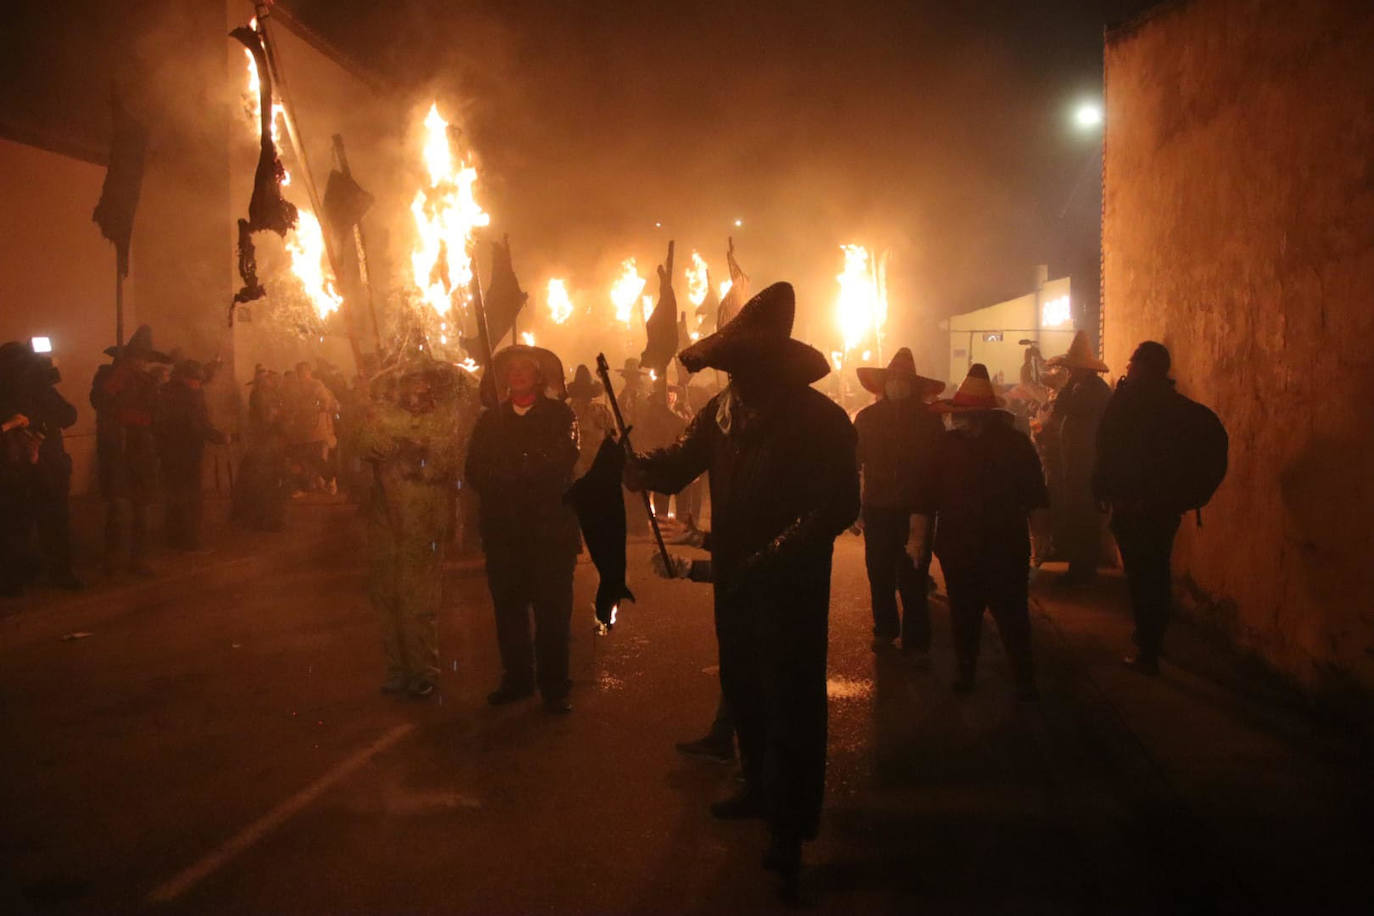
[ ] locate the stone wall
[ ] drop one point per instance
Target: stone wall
(1238, 229)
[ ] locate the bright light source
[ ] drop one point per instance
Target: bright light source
(1056, 313)
(1088, 115)
(738, 223)
(40, 344)
(658, 225)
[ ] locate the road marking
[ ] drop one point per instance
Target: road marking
(247, 837)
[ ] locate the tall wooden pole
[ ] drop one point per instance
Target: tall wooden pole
(119, 304)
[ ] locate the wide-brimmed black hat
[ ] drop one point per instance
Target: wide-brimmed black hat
(140, 345)
(550, 368)
(759, 339)
(902, 366)
(632, 367)
(583, 385)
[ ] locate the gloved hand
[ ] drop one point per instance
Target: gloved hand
(918, 541)
(680, 568)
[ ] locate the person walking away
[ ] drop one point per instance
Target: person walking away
(1074, 419)
(899, 439)
(124, 395)
(414, 442)
(520, 462)
(183, 428)
(784, 484)
(986, 486)
(1159, 454)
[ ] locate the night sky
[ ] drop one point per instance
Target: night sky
(942, 130)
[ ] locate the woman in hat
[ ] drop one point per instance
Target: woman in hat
(986, 485)
(520, 463)
(783, 485)
(1074, 418)
(899, 438)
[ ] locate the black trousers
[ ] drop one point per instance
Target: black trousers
(1146, 539)
(53, 521)
(999, 586)
(892, 571)
(772, 673)
(533, 578)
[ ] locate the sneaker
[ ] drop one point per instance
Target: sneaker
(742, 805)
(509, 693)
(708, 748)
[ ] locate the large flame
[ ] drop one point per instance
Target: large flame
(305, 246)
(860, 310)
(626, 289)
(446, 216)
(560, 305)
(725, 288)
(698, 280)
(310, 264)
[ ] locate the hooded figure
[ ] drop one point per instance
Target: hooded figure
(520, 462)
(414, 441)
(1072, 426)
(124, 395)
(899, 439)
(986, 483)
(783, 485)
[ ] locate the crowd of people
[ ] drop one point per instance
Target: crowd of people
(783, 469)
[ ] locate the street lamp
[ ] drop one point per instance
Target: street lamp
(1088, 116)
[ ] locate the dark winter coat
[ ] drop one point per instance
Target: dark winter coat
(1075, 417)
(783, 485)
(898, 444)
(125, 401)
(983, 492)
(1146, 448)
(183, 428)
(520, 467)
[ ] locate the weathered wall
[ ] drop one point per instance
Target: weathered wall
(1239, 230)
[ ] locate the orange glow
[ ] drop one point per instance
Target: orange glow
(625, 290)
(560, 305)
(310, 264)
(447, 216)
(698, 280)
(861, 306)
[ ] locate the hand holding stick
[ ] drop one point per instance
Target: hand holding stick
(604, 370)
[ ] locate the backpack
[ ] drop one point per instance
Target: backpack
(1200, 455)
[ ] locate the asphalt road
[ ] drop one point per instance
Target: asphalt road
(219, 746)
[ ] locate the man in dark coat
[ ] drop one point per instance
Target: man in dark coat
(1138, 445)
(520, 462)
(52, 414)
(783, 485)
(986, 485)
(1073, 423)
(899, 438)
(124, 395)
(183, 428)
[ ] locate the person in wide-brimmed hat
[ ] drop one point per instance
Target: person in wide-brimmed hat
(899, 439)
(1071, 433)
(783, 485)
(520, 462)
(987, 482)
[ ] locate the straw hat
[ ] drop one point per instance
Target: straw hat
(760, 338)
(631, 368)
(583, 385)
(975, 394)
(550, 368)
(1081, 356)
(902, 366)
